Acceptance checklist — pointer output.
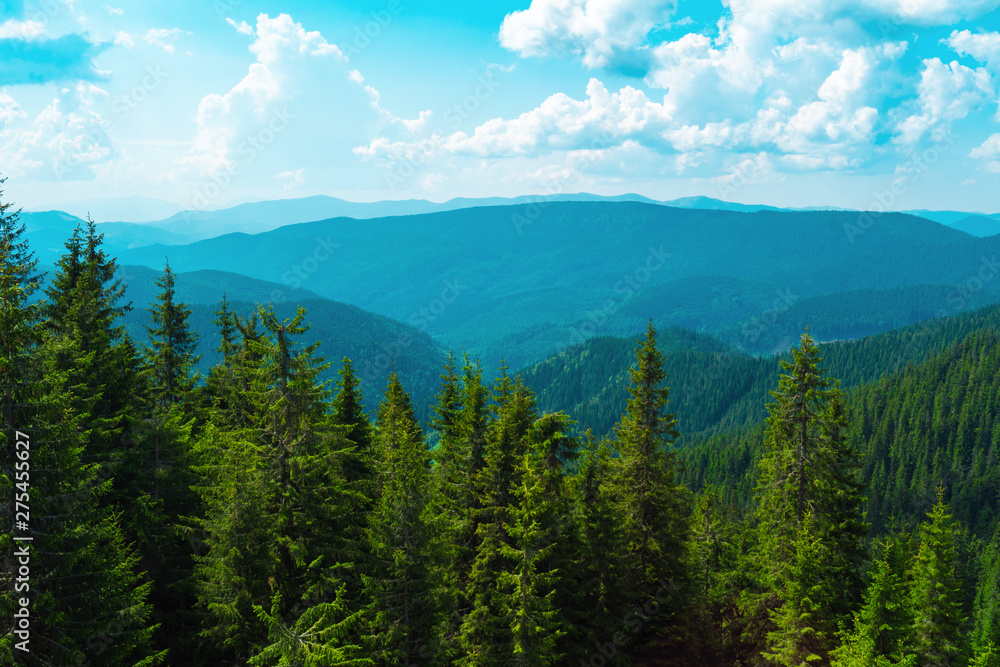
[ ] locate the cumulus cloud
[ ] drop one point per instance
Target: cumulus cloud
(64, 140)
(988, 154)
(595, 29)
(560, 123)
(281, 46)
(983, 46)
(946, 93)
(29, 29)
(300, 90)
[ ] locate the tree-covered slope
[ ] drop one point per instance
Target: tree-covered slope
(717, 389)
(520, 282)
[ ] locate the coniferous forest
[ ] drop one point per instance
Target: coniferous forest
(259, 515)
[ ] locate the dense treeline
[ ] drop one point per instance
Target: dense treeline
(715, 389)
(257, 515)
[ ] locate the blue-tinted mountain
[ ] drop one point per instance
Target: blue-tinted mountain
(519, 282)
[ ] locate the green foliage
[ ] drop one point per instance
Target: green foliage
(402, 582)
(935, 593)
(654, 510)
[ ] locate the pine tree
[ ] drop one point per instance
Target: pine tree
(654, 510)
(86, 599)
(809, 468)
(401, 585)
(486, 632)
(801, 632)
(278, 512)
(882, 628)
(936, 593)
(532, 582)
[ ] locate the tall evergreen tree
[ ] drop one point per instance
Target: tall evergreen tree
(164, 471)
(809, 468)
(86, 601)
(882, 628)
(654, 510)
(532, 583)
(602, 602)
(801, 632)
(486, 632)
(936, 595)
(987, 603)
(278, 509)
(402, 584)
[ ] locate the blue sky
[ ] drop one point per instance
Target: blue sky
(848, 103)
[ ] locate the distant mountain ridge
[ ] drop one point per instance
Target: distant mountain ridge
(518, 282)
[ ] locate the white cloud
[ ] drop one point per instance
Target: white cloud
(162, 37)
(28, 30)
(242, 27)
(299, 91)
(983, 46)
(596, 29)
(946, 93)
(124, 39)
(114, 11)
(67, 139)
(988, 153)
(292, 179)
(10, 110)
(560, 123)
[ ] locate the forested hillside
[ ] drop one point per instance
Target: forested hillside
(716, 388)
(536, 278)
(736, 511)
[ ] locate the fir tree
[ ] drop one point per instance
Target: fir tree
(532, 582)
(882, 628)
(486, 632)
(654, 510)
(87, 602)
(401, 587)
(936, 596)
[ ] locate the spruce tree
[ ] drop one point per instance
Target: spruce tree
(986, 610)
(801, 633)
(450, 504)
(532, 582)
(86, 600)
(935, 594)
(401, 585)
(654, 510)
(602, 602)
(162, 459)
(486, 634)
(170, 354)
(809, 468)
(882, 627)
(348, 410)
(278, 512)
